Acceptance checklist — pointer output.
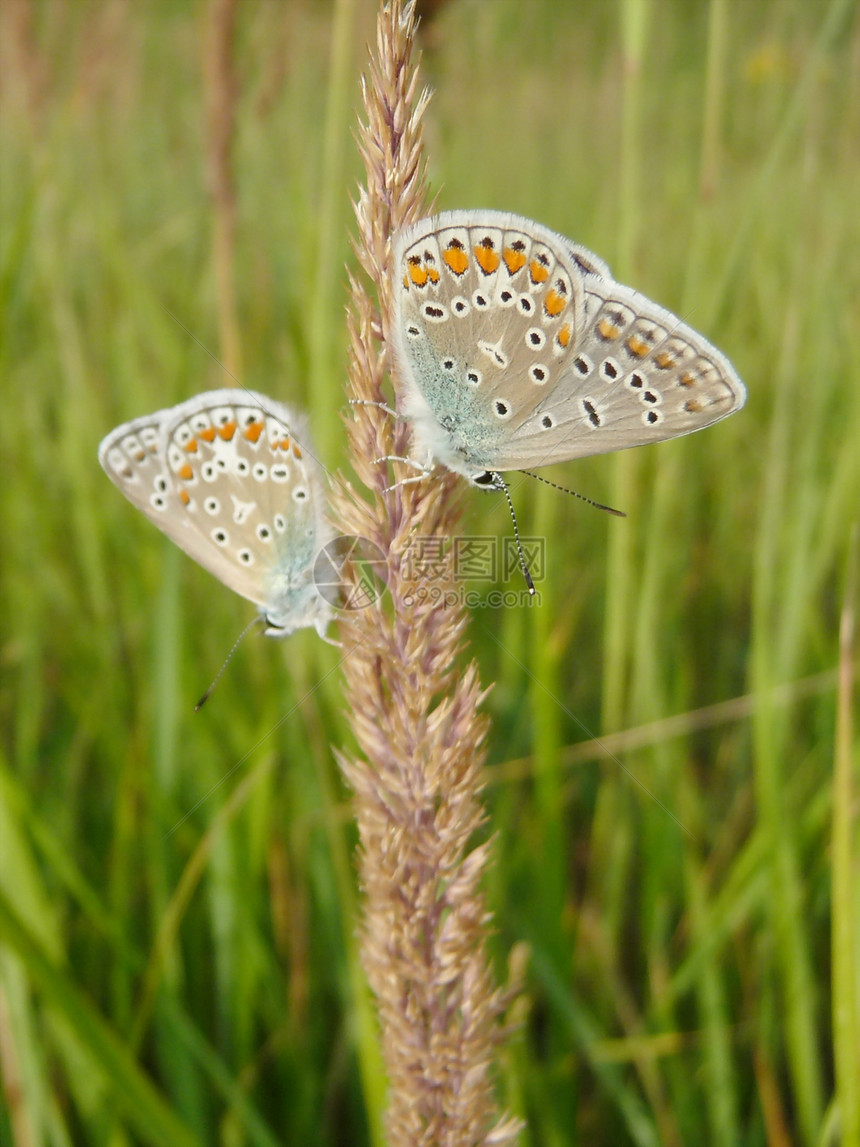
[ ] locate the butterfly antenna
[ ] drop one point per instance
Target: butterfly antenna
(203, 347)
(220, 673)
(573, 494)
(500, 484)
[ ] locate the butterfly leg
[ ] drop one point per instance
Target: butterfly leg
(406, 482)
(379, 406)
(406, 461)
(320, 626)
(425, 470)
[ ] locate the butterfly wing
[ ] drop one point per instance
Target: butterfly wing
(516, 348)
(487, 313)
(638, 374)
(229, 476)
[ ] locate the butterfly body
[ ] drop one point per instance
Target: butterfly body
(229, 477)
(515, 349)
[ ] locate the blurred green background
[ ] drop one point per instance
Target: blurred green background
(177, 904)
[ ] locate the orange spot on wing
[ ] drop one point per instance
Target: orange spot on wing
(687, 379)
(488, 257)
(637, 347)
(297, 451)
(253, 431)
(184, 497)
(456, 258)
(514, 260)
(607, 330)
(191, 446)
(185, 472)
(692, 405)
(538, 271)
(416, 272)
(140, 455)
(554, 303)
(227, 430)
(208, 435)
(432, 274)
(664, 361)
(284, 444)
(563, 336)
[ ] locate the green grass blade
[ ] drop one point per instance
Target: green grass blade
(133, 1092)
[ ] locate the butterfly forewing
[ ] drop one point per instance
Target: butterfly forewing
(488, 313)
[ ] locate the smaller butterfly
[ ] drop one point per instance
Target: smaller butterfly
(230, 477)
(516, 348)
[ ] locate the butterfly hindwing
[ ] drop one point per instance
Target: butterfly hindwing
(638, 375)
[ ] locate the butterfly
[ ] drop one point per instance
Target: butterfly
(231, 478)
(515, 348)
